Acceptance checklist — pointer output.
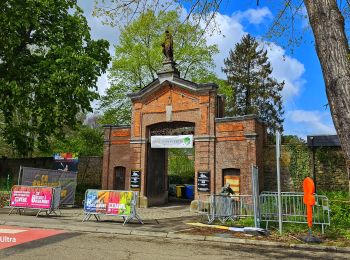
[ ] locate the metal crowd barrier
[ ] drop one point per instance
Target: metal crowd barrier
(293, 208)
(52, 208)
(95, 204)
(223, 208)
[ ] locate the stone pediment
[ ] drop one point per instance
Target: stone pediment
(173, 80)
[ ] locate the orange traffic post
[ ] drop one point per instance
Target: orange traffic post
(309, 199)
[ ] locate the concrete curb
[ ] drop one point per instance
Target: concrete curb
(173, 235)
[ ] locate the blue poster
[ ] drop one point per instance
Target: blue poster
(91, 200)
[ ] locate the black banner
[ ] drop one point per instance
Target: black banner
(135, 179)
(45, 177)
(203, 181)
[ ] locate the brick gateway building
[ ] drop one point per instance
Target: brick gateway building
(224, 147)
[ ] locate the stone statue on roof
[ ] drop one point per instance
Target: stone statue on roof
(168, 46)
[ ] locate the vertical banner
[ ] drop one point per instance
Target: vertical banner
(135, 179)
(203, 181)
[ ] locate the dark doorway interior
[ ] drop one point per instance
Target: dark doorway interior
(156, 191)
(157, 179)
(119, 181)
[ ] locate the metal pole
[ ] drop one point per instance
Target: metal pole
(278, 155)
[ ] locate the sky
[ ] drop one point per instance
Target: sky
(304, 96)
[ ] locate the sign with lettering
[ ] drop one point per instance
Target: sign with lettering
(203, 181)
(172, 141)
(135, 179)
(108, 202)
(31, 197)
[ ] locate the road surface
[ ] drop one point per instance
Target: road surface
(70, 245)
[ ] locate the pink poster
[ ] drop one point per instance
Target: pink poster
(31, 197)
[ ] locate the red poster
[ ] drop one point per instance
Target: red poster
(113, 203)
(31, 197)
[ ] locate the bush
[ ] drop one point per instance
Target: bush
(4, 199)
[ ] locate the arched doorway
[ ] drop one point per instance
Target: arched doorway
(157, 184)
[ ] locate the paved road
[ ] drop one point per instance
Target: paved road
(106, 246)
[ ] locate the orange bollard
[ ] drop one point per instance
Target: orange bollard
(309, 199)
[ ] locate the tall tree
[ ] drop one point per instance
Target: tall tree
(254, 90)
(48, 69)
(138, 57)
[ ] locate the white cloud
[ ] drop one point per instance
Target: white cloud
(308, 122)
(285, 68)
(254, 16)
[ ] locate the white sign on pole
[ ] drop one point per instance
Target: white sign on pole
(172, 141)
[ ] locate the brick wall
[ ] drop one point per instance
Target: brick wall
(330, 169)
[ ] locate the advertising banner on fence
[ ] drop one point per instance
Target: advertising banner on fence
(108, 202)
(65, 162)
(172, 141)
(45, 177)
(31, 197)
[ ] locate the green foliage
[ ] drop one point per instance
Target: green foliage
(4, 199)
(138, 57)
(85, 140)
(340, 209)
(253, 90)
(48, 70)
(181, 165)
(299, 166)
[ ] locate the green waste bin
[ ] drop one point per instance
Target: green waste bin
(180, 191)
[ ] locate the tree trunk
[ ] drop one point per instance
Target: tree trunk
(332, 48)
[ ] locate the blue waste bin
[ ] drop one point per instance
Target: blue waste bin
(189, 191)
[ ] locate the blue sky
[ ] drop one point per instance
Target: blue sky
(304, 94)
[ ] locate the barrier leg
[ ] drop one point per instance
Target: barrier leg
(39, 212)
(11, 211)
(87, 217)
(125, 220)
(139, 219)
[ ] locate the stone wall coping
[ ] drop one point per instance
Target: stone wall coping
(238, 118)
(116, 126)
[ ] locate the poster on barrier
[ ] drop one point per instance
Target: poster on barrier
(45, 177)
(108, 202)
(31, 197)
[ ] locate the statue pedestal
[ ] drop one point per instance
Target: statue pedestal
(168, 71)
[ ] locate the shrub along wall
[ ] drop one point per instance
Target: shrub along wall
(296, 164)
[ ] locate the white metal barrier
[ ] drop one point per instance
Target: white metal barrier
(41, 198)
(293, 208)
(112, 203)
(223, 208)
